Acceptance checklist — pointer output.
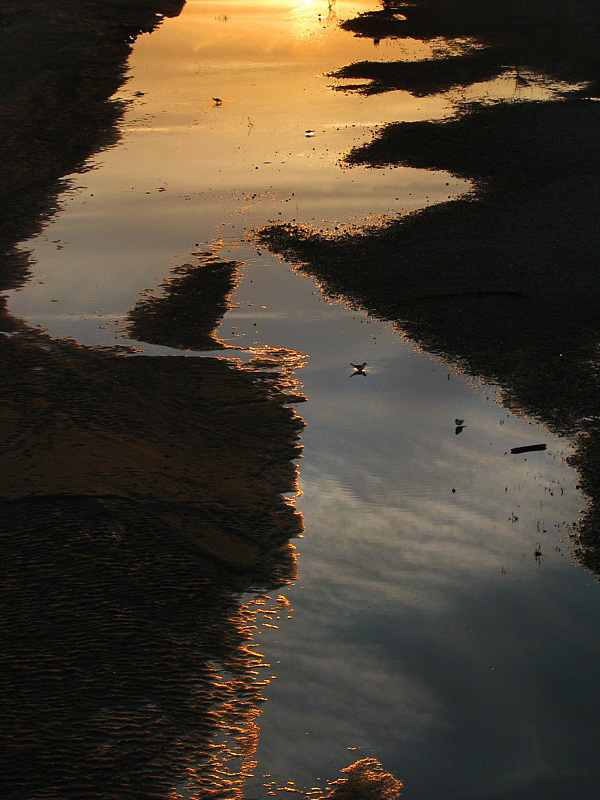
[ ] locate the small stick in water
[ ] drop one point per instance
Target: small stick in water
(528, 448)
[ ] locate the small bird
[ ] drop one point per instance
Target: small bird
(218, 101)
(359, 369)
(520, 80)
(458, 421)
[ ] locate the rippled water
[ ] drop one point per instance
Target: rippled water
(439, 622)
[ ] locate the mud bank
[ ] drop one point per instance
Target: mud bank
(191, 304)
(548, 39)
(422, 78)
(140, 496)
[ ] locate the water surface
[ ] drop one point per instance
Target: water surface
(439, 622)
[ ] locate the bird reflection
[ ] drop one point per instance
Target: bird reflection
(359, 369)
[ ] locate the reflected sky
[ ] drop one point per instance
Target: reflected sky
(439, 621)
(423, 613)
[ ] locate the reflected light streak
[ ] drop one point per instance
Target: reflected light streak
(308, 17)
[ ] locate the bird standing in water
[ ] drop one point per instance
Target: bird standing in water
(218, 101)
(359, 369)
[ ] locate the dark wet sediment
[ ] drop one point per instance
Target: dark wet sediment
(365, 779)
(544, 37)
(192, 303)
(422, 78)
(137, 504)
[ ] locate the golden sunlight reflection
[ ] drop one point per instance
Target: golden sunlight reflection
(308, 17)
(237, 683)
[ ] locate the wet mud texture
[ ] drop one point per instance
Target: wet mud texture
(503, 282)
(544, 39)
(422, 78)
(364, 780)
(140, 496)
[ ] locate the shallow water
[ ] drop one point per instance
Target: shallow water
(439, 622)
(425, 630)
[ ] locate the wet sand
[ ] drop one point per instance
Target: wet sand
(190, 306)
(140, 497)
(544, 38)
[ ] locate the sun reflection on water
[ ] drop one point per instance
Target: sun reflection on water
(309, 17)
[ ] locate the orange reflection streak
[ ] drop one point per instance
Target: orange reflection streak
(231, 756)
(306, 17)
(226, 761)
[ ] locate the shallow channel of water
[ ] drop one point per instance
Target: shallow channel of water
(439, 623)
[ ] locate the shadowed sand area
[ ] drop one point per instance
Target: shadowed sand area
(193, 302)
(140, 496)
(422, 78)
